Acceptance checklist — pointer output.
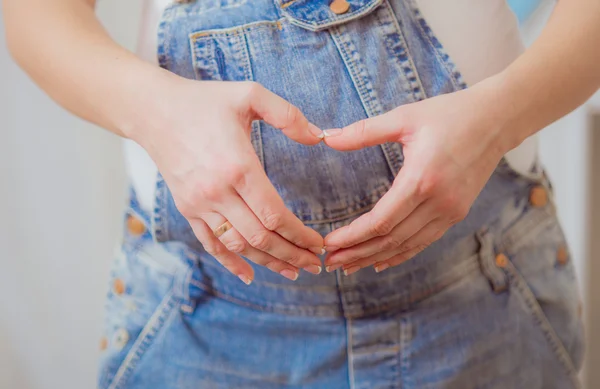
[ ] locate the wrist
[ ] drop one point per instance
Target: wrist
(506, 111)
(145, 95)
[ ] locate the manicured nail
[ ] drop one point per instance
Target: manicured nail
(289, 274)
(245, 279)
(314, 269)
(316, 131)
(351, 270)
(332, 268)
(332, 132)
(331, 249)
(318, 250)
(381, 267)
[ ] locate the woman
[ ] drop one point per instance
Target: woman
(437, 189)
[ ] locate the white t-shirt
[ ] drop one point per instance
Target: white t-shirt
(481, 36)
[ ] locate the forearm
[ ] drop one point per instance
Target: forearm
(559, 72)
(67, 52)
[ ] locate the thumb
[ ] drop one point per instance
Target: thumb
(366, 133)
(281, 114)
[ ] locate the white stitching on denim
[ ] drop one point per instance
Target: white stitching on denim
(256, 132)
(455, 75)
(151, 329)
(528, 226)
(160, 230)
(350, 348)
(403, 355)
(548, 331)
(363, 86)
(412, 65)
(182, 10)
(333, 21)
(261, 24)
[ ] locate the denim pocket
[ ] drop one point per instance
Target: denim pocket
(319, 15)
(139, 299)
(541, 272)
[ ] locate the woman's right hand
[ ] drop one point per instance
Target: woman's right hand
(198, 133)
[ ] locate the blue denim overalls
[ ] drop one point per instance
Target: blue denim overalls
(493, 304)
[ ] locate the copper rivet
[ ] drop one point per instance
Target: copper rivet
(119, 286)
(135, 226)
(501, 260)
(339, 7)
(562, 255)
(103, 343)
(538, 197)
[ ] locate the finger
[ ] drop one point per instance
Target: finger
(232, 262)
(365, 133)
(235, 243)
(248, 225)
(414, 246)
(395, 206)
(283, 115)
(261, 197)
(418, 239)
(418, 219)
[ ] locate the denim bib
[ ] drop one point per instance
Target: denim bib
(337, 69)
(491, 304)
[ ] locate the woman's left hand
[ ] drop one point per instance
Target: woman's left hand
(452, 144)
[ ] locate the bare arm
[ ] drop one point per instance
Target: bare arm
(70, 55)
(453, 143)
(559, 72)
(197, 132)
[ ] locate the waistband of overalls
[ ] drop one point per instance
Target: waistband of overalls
(367, 293)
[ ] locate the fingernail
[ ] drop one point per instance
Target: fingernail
(331, 268)
(351, 270)
(318, 250)
(289, 274)
(316, 131)
(331, 249)
(332, 132)
(245, 279)
(381, 267)
(314, 269)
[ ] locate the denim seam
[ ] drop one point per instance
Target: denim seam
(440, 52)
(159, 227)
(348, 324)
(542, 321)
(196, 55)
(403, 355)
(182, 10)
(161, 53)
(330, 22)
(521, 232)
(287, 309)
(350, 347)
(144, 340)
(363, 85)
(312, 218)
(347, 311)
(408, 63)
(236, 30)
(496, 276)
(256, 130)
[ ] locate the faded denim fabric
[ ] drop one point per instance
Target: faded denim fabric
(493, 304)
